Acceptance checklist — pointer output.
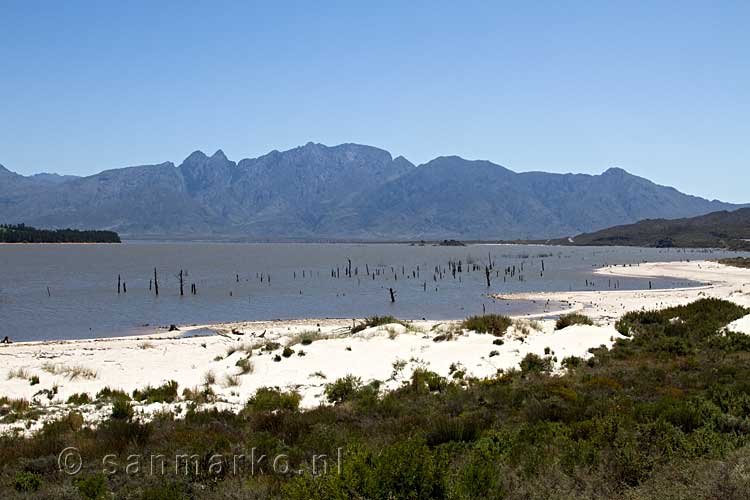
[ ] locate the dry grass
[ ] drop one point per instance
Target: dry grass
(245, 366)
(231, 380)
(244, 347)
(209, 378)
(145, 345)
(21, 373)
(306, 338)
(71, 372)
(526, 326)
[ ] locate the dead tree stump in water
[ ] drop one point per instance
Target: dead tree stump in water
(156, 283)
(182, 286)
(393, 295)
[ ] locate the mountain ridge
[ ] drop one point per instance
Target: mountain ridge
(722, 229)
(348, 191)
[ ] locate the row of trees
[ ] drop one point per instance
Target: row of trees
(21, 233)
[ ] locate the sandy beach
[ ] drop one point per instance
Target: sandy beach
(197, 354)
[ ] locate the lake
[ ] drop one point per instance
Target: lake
(70, 291)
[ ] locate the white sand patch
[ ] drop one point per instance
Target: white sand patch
(742, 325)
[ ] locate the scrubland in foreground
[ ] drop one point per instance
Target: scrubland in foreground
(664, 413)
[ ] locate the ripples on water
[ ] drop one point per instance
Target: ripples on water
(284, 281)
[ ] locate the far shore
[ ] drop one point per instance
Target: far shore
(323, 350)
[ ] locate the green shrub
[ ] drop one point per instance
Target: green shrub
(572, 319)
(495, 324)
(166, 393)
(27, 482)
(34, 380)
(287, 352)
(108, 394)
(272, 399)
(121, 409)
(92, 487)
(571, 362)
(79, 399)
(533, 363)
(271, 346)
(342, 389)
(422, 379)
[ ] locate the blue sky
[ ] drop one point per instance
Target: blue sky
(661, 89)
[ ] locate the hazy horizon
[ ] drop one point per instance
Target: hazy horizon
(658, 90)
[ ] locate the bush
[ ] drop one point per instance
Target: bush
(92, 487)
(571, 362)
(79, 399)
(495, 324)
(27, 482)
(422, 379)
(121, 409)
(287, 352)
(272, 399)
(572, 319)
(166, 393)
(533, 363)
(342, 389)
(108, 394)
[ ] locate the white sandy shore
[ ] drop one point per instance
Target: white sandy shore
(186, 356)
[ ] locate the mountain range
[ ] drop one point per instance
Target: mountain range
(344, 192)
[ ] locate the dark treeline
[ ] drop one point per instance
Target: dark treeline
(22, 233)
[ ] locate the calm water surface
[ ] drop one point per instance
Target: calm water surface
(70, 291)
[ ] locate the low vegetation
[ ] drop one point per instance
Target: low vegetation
(166, 393)
(495, 324)
(305, 338)
(21, 373)
(743, 262)
(268, 399)
(376, 321)
(79, 399)
(572, 319)
(664, 413)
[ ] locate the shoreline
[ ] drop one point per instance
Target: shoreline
(388, 353)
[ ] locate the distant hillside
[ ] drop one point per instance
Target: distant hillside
(22, 233)
(729, 230)
(345, 192)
